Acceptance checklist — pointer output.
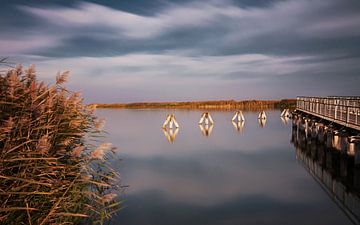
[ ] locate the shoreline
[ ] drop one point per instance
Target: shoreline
(217, 104)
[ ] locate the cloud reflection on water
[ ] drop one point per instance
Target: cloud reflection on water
(223, 179)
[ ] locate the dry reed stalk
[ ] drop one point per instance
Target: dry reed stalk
(49, 173)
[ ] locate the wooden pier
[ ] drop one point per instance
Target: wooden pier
(344, 111)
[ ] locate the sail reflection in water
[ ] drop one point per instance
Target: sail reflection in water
(206, 130)
(239, 126)
(171, 134)
(319, 152)
(285, 120)
(262, 122)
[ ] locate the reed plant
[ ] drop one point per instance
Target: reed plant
(53, 167)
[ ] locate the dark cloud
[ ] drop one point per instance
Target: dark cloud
(227, 34)
(257, 41)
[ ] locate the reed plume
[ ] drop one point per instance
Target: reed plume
(49, 172)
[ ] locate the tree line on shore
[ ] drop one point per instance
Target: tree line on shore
(220, 104)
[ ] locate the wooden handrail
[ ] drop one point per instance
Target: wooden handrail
(342, 110)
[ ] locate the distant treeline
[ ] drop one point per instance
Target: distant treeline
(221, 104)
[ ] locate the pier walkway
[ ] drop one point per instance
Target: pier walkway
(341, 110)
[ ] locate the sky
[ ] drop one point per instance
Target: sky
(181, 50)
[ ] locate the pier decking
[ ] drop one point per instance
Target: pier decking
(341, 110)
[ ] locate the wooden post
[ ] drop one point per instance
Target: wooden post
(336, 109)
(175, 122)
(306, 120)
(167, 120)
(235, 116)
(344, 141)
(202, 118)
(329, 137)
(357, 152)
(351, 148)
(353, 141)
(282, 113)
(320, 136)
(206, 118)
(170, 120)
(210, 119)
(287, 114)
(262, 119)
(262, 115)
(336, 140)
(241, 116)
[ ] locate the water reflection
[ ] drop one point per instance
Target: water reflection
(285, 120)
(171, 134)
(239, 126)
(262, 122)
(251, 178)
(321, 151)
(206, 129)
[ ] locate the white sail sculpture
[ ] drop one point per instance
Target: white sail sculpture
(171, 133)
(206, 118)
(262, 115)
(262, 119)
(285, 113)
(238, 117)
(206, 124)
(171, 121)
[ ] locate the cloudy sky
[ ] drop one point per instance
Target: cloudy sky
(172, 50)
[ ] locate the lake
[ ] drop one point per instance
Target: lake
(251, 174)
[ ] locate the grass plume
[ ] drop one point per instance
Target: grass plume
(49, 172)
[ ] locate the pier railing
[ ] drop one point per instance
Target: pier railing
(342, 110)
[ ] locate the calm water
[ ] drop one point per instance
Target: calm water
(249, 175)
